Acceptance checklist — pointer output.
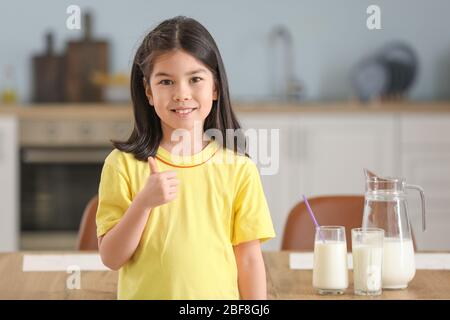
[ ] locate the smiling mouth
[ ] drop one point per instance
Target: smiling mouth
(183, 111)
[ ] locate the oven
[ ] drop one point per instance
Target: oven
(60, 168)
(55, 186)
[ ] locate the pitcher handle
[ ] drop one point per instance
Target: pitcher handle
(422, 197)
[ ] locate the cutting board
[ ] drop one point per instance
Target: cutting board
(48, 74)
(85, 58)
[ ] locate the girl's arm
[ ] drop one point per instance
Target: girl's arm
(251, 271)
(118, 245)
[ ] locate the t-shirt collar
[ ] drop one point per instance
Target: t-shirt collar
(188, 161)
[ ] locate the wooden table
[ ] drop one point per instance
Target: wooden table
(282, 282)
(285, 283)
(16, 284)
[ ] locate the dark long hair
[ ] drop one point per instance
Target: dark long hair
(184, 34)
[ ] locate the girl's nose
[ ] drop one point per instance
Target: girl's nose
(182, 93)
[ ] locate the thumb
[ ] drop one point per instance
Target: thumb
(153, 165)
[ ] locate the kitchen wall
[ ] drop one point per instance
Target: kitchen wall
(329, 37)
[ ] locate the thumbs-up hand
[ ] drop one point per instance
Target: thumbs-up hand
(161, 187)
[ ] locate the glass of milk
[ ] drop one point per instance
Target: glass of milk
(367, 251)
(330, 272)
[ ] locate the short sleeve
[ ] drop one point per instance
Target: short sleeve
(251, 213)
(114, 198)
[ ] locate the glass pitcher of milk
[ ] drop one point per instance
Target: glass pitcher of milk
(385, 207)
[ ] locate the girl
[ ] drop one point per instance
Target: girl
(182, 225)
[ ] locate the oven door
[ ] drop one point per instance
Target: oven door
(56, 184)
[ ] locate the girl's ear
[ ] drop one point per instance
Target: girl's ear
(148, 91)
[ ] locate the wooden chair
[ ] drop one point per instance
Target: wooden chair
(338, 210)
(87, 234)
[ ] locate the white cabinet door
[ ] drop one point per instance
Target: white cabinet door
(322, 154)
(277, 175)
(9, 186)
(334, 149)
(426, 162)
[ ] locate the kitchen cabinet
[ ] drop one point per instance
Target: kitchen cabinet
(282, 187)
(322, 154)
(334, 149)
(425, 159)
(64, 132)
(9, 213)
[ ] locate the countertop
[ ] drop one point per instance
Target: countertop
(122, 111)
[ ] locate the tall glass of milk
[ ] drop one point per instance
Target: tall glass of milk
(330, 272)
(367, 251)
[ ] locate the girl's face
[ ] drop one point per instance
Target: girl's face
(181, 90)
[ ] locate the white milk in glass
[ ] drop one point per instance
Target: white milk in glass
(330, 265)
(398, 263)
(367, 262)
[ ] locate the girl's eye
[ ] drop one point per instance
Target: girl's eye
(165, 82)
(196, 79)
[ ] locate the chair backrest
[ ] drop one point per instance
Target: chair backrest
(340, 210)
(87, 234)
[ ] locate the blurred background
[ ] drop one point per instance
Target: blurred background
(328, 38)
(347, 87)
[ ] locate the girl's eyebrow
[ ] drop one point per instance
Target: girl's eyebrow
(163, 74)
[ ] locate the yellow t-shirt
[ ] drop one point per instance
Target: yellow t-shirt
(186, 249)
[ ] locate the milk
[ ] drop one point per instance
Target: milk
(367, 264)
(398, 263)
(330, 271)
